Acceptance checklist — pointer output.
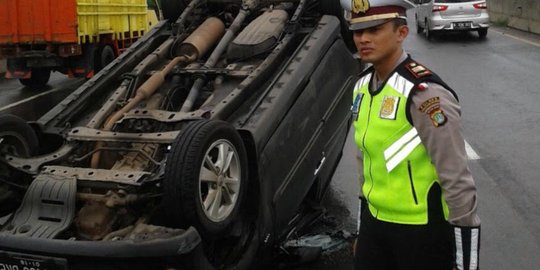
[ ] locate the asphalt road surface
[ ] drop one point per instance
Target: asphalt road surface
(30, 103)
(496, 80)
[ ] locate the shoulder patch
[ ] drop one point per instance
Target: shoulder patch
(418, 70)
(432, 107)
(430, 104)
(438, 118)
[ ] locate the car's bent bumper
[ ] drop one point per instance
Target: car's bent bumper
(102, 252)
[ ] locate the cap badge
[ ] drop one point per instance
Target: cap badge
(360, 6)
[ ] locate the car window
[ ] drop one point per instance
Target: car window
(452, 1)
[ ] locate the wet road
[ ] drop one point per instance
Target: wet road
(31, 104)
(496, 81)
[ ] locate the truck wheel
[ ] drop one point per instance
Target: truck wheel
(40, 78)
(206, 177)
(106, 56)
(172, 9)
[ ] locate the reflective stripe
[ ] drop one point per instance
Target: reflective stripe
(474, 249)
(401, 155)
(357, 86)
(362, 81)
(459, 248)
(392, 150)
(400, 84)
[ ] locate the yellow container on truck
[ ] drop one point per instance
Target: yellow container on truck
(120, 18)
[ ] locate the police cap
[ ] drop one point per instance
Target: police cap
(370, 13)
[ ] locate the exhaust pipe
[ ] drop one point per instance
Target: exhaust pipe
(196, 45)
(214, 57)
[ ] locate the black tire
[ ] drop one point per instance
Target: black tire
(172, 9)
(105, 56)
(40, 78)
(482, 33)
(186, 192)
(333, 7)
(17, 137)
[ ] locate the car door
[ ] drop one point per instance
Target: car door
(289, 125)
(319, 121)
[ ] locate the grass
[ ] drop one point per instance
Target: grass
(501, 22)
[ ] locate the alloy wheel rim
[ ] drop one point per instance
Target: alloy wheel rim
(219, 180)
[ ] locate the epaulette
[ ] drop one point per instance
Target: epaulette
(417, 70)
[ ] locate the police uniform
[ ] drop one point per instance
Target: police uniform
(420, 197)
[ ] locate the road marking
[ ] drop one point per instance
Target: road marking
(470, 152)
(518, 38)
(29, 99)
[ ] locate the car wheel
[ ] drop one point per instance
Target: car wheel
(17, 138)
(482, 33)
(206, 177)
(40, 77)
(172, 9)
(419, 29)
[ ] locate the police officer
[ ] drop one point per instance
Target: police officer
(419, 209)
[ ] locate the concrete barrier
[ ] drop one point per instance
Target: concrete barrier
(520, 14)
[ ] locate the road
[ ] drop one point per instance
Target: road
(496, 80)
(31, 104)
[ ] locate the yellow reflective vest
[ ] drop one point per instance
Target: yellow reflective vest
(398, 172)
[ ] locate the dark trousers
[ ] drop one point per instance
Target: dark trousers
(390, 246)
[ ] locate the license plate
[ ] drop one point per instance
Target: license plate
(17, 261)
(462, 25)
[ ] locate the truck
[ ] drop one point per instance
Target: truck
(74, 37)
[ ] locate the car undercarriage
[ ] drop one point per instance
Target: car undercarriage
(182, 152)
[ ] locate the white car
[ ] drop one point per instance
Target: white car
(435, 16)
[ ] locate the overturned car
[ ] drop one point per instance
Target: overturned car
(200, 147)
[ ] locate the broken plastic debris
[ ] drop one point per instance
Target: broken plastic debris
(328, 243)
